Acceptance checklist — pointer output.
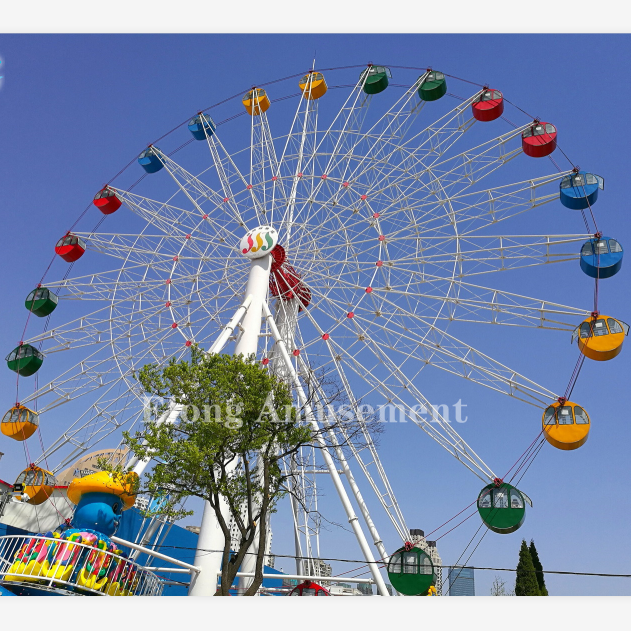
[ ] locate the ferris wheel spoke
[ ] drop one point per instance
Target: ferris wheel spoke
(481, 255)
(199, 194)
(112, 411)
(381, 486)
(438, 428)
(171, 219)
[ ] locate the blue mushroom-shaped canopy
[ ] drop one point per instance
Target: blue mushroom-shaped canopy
(580, 190)
(601, 257)
(149, 159)
(201, 126)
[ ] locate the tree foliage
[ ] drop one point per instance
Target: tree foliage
(526, 581)
(543, 590)
(499, 588)
(239, 424)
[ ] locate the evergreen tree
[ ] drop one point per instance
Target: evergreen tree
(543, 591)
(526, 581)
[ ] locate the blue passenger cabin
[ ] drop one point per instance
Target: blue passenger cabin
(201, 126)
(601, 257)
(580, 190)
(149, 159)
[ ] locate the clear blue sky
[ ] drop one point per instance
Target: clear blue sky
(76, 109)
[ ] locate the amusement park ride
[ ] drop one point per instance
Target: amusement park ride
(345, 244)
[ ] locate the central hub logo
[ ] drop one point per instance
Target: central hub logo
(258, 242)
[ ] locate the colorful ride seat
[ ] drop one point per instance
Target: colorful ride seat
(411, 571)
(539, 140)
(309, 589)
(256, 102)
(502, 507)
(150, 160)
(107, 201)
(25, 360)
(19, 423)
(201, 126)
(375, 79)
(35, 485)
(433, 87)
(488, 106)
(71, 248)
(313, 86)
(601, 257)
(601, 337)
(565, 425)
(41, 302)
(580, 190)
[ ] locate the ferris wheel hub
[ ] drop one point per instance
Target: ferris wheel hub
(258, 242)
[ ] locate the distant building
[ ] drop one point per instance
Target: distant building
(365, 589)
(317, 567)
(417, 537)
(235, 536)
(461, 581)
(344, 589)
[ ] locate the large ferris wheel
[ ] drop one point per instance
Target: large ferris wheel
(352, 238)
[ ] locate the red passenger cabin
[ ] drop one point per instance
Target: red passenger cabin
(539, 140)
(71, 248)
(488, 106)
(309, 589)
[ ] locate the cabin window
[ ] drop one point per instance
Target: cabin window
(516, 500)
(410, 563)
(587, 249)
(614, 326)
(590, 178)
(426, 566)
(601, 247)
(500, 498)
(600, 328)
(395, 564)
(564, 415)
(485, 500)
(614, 246)
(581, 416)
(549, 417)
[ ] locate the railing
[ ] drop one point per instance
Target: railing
(31, 564)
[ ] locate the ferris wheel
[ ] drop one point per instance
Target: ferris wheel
(352, 238)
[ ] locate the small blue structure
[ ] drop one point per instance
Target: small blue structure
(149, 159)
(201, 126)
(601, 257)
(580, 190)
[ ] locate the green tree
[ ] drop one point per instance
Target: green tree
(526, 580)
(543, 590)
(227, 447)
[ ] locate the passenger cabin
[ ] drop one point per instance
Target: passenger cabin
(256, 102)
(565, 425)
(309, 589)
(502, 508)
(580, 190)
(34, 485)
(201, 126)
(600, 338)
(25, 360)
(411, 571)
(71, 248)
(150, 160)
(488, 106)
(41, 302)
(539, 140)
(313, 86)
(107, 201)
(375, 79)
(433, 87)
(19, 423)
(601, 257)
